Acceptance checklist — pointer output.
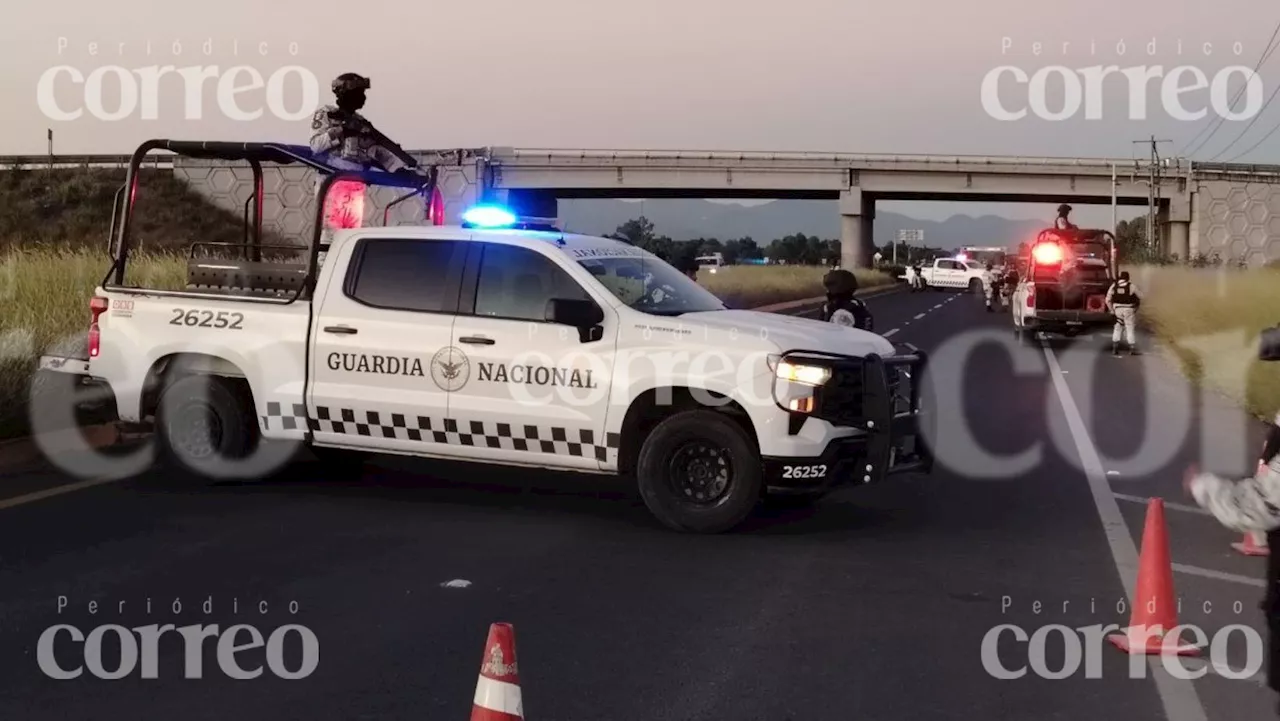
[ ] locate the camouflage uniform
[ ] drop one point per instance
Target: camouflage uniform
(352, 151)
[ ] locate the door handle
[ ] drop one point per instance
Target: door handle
(339, 329)
(476, 340)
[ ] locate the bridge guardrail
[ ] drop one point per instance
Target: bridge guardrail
(602, 157)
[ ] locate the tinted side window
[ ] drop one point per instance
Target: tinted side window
(517, 283)
(948, 265)
(404, 274)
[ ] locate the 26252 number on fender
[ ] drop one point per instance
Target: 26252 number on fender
(207, 319)
(804, 471)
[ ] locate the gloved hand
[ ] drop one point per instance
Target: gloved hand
(353, 126)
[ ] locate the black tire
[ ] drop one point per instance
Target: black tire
(224, 406)
(975, 286)
(699, 440)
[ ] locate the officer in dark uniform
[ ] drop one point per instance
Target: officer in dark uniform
(1063, 222)
(345, 134)
(841, 307)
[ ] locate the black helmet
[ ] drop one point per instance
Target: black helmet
(840, 282)
(1124, 275)
(1064, 209)
(988, 266)
(349, 82)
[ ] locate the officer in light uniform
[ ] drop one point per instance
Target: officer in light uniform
(1251, 505)
(841, 307)
(343, 133)
(1123, 301)
(344, 137)
(989, 285)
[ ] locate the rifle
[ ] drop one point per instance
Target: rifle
(378, 137)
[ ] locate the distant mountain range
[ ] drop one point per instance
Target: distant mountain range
(682, 219)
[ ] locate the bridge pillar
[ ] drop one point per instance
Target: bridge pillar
(1175, 224)
(857, 223)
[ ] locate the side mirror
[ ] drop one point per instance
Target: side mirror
(584, 315)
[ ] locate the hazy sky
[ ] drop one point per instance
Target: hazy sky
(901, 76)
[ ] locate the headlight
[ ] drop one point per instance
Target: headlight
(808, 375)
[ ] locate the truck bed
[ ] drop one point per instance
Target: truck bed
(246, 278)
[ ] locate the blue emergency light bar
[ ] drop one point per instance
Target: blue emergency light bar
(488, 216)
(496, 217)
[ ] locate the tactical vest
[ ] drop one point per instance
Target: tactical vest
(859, 310)
(1124, 295)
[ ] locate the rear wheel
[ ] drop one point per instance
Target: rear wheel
(698, 471)
(204, 422)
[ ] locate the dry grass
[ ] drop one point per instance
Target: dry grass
(1211, 319)
(744, 286)
(45, 295)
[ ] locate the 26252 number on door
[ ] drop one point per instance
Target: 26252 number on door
(804, 471)
(207, 319)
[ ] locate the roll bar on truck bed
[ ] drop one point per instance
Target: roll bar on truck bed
(254, 154)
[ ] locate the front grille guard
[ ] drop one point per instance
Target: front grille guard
(887, 414)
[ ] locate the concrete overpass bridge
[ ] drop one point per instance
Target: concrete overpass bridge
(1231, 209)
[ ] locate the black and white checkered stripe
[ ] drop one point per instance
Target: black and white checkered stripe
(449, 431)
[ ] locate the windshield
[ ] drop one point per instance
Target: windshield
(649, 285)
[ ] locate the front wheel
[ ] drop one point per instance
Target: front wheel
(698, 471)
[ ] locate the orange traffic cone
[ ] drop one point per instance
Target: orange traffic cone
(1254, 544)
(1154, 606)
(498, 688)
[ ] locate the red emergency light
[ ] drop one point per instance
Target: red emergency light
(435, 210)
(1047, 253)
(344, 206)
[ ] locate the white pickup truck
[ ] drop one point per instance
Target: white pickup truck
(501, 342)
(952, 274)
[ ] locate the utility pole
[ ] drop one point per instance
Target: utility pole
(1155, 175)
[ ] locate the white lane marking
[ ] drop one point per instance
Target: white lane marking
(918, 317)
(1179, 697)
(1211, 669)
(1171, 506)
(1219, 575)
(889, 332)
(937, 306)
(55, 491)
(456, 583)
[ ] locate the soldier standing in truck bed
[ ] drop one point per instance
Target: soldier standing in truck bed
(344, 134)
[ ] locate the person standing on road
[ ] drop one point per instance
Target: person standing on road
(989, 285)
(1123, 301)
(841, 307)
(1248, 506)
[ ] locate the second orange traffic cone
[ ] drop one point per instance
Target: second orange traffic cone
(498, 688)
(1155, 611)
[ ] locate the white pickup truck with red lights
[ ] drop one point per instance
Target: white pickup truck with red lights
(1062, 282)
(498, 341)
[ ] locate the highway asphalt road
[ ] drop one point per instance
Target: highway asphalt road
(872, 604)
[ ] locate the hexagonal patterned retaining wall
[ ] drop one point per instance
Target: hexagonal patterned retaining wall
(288, 195)
(1237, 220)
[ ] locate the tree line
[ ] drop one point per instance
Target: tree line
(794, 249)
